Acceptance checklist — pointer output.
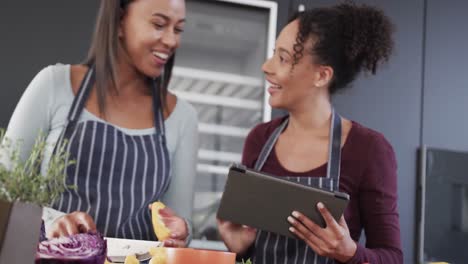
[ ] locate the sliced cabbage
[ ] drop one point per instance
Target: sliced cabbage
(86, 248)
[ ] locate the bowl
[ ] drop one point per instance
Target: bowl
(198, 256)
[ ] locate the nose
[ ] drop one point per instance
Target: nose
(266, 67)
(169, 38)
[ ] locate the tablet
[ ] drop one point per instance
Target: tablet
(264, 201)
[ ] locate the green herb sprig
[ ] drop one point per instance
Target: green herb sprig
(22, 180)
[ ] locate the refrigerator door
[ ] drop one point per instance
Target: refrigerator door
(218, 70)
(442, 206)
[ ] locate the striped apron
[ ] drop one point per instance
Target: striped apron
(115, 175)
(270, 248)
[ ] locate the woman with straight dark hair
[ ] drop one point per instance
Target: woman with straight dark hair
(133, 142)
(321, 51)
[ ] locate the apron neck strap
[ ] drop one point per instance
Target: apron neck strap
(82, 95)
(86, 87)
(334, 148)
(158, 108)
(268, 147)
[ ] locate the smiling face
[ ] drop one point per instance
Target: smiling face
(150, 32)
(292, 84)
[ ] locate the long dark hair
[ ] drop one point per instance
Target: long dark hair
(348, 37)
(103, 53)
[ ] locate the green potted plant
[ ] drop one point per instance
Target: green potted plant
(23, 193)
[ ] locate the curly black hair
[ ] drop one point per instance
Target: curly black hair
(348, 37)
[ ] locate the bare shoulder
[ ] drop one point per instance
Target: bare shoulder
(77, 73)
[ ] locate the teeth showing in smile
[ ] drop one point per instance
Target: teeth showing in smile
(161, 55)
(275, 86)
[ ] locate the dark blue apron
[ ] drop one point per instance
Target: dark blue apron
(116, 175)
(270, 248)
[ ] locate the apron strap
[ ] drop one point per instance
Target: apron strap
(77, 106)
(157, 108)
(267, 148)
(334, 148)
(82, 96)
(334, 156)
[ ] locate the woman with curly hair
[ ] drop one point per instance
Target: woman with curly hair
(321, 51)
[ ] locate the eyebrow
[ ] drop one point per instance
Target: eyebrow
(167, 18)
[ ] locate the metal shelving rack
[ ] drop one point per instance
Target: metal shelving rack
(228, 105)
(218, 71)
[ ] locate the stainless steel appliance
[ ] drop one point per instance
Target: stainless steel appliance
(218, 70)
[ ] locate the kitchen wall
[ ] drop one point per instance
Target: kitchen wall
(444, 126)
(445, 75)
(34, 34)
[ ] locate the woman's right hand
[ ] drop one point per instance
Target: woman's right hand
(238, 238)
(73, 223)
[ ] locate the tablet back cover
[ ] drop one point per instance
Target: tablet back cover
(264, 202)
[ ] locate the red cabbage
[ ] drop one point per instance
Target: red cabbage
(86, 248)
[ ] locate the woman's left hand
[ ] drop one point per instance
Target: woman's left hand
(333, 241)
(178, 227)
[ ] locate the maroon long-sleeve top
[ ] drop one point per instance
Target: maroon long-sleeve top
(368, 175)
